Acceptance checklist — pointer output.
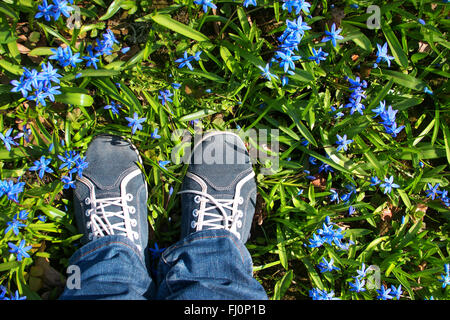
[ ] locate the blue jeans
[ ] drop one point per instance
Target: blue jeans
(205, 265)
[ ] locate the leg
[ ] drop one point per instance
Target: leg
(218, 202)
(208, 265)
(110, 203)
(110, 267)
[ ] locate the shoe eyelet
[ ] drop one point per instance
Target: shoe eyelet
(88, 212)
(197, 199)
(239, 224)
(195, 213)
(88, 225)
(136, 235)
(241, 200)
(129, 197)
(193, 225)
(90, 236)
(87, 201)
(132, 210)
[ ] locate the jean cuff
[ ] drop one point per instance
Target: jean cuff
(100, 243)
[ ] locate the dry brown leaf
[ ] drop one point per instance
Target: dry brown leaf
(386, 214)
(22, 49)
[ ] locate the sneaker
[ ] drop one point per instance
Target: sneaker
(111, 196)
(219, 189)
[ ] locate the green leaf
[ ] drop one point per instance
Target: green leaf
(74, 96)
(401, 79)
(9, 265)
(446, 133)
(197, 115)
(112, 9)
(282, 285)
(41, 51)
(169, 23)
(397, 51)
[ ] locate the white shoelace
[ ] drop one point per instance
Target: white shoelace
(216, 221)
(99, 219)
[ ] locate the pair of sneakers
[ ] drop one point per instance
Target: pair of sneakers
(218, 191)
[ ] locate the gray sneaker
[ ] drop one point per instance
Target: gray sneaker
(219, 190)
(111, 196)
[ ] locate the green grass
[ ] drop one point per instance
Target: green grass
(235, 41)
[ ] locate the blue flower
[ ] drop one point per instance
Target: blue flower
(382, 55)
(45, 10)
(397, 291)
(80, 165)
(427, 90)
(205, 4)
(125, 50)
(65, 57)
(250, 2)
(49, 74)
(342, 142)
(20, 250)
(374, 181)
(114, 107)
(16, 296)
(42, 218)
(380, 109)
(7, 140)
(432, 192)
(325, 167)
(334, 195)
(358, 286)
(163, 163)
(318, 55)
(22, 85)
(393, 130)
(91, 58)
(445, 279)
(185, 61)
(287, 60)
(421, 21)
(297, 5)
(154, 134)
(326, 266)
(176, 86)
(11, 189)
(389, 184)
(355, 105)
(266, 73)
(156, 252)
(14, 225)
(41, 165)
(333, 35)
(388, 116)
(317, 294)
(61, 7)
(338, 114)
(362, 272)
(69, 159)
(384, 293)
(68, 182)
(164, 96)
(23, 215)
(135, 122)
(351, 210)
